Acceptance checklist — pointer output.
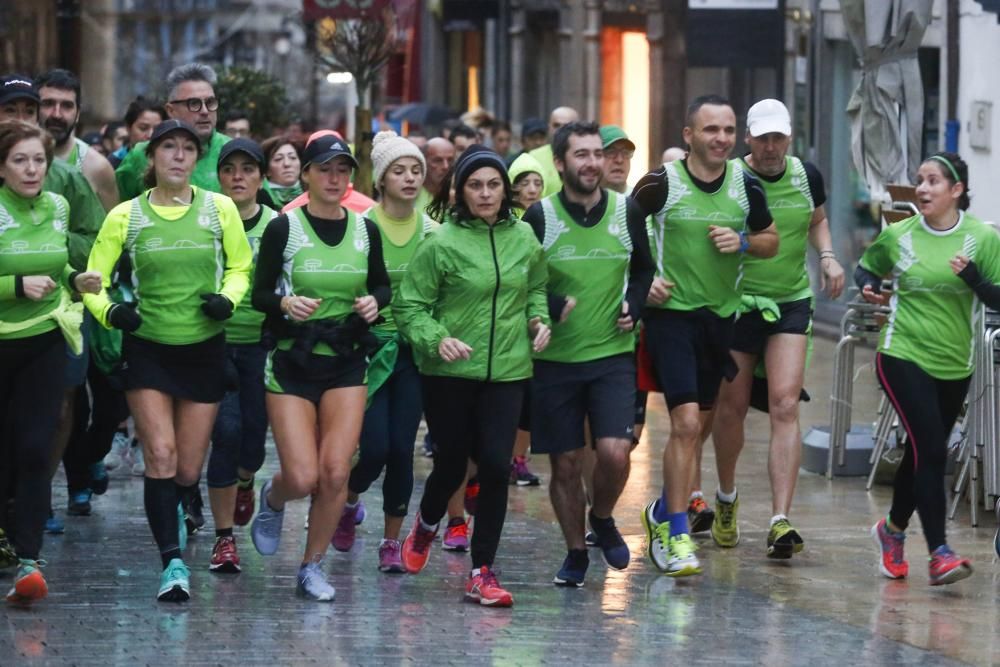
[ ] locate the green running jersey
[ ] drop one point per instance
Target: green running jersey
(590, 264)
(397, 257)
(336, 274)
(32, 243)
(934, 314)
(684, 253)
(784, 277)
(245, 325)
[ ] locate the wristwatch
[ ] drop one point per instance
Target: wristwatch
(744, 242)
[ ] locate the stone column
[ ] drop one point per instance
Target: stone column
(97, 73)
(572, 20)
(591, 108)
(515, 47)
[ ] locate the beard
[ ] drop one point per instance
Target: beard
(60, 130)
(573, 180)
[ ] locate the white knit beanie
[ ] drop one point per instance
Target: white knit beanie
(389, 147)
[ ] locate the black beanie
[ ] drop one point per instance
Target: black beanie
(475, 157)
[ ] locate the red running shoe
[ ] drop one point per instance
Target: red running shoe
(456, 535)
(471, 496)
(224, 556)
(246, 500)
(417, 546)
(29, 584)
(890, 545)
(343, 537)
(947, 567)
(485, 589)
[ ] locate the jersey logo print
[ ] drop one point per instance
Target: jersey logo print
(7, 221)
(554, 227)
(969, 246)
(907, 258)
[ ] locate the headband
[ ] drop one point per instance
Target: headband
(946, 162)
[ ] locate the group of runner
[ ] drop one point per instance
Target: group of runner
(530, 302)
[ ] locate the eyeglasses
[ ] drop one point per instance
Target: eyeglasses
(194, 104)
(615, 153)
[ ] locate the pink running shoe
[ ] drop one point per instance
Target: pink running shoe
(343, 537)
(890, 545)
(390, 557)
(456, 536)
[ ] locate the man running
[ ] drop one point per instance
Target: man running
(440, 155)
(776, 327)
(595, 243)
(707, 213)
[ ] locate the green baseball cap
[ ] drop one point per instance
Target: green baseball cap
(612, 133)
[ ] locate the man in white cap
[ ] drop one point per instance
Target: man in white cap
(777, 329)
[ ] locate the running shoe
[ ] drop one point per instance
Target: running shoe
(266, 528)
(947, 567)
(246, 502)
(471, 496)
(590, 540)
(99, 478)
(682, 562)
(138, 459)
(194, 515)
(78, 504)
(520, 475)
(224, 556)
(29, 584)
(700, 515)
(54, 525)
(359, 516)
(175, 584)
(891, 563)
(456, 536)
(312, 583)
(390, 559)
(428, 447)
(8, 557)
(485, 589)
(783, 540)
(417, 546)
(119, 450)
(613, 548)
(657, 538)
(725, 529)
(343, 537)
(573, 570)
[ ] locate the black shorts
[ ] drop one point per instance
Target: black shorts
(565, 394)
(524, 421)
(194, 372)
(321, 373)
(751, 331)
(689, 351)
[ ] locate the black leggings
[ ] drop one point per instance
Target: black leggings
(94, 425)
(927, 408)
(477, 420)
(31, 393)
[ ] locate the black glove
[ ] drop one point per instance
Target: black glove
(124, 316)
(217, 307)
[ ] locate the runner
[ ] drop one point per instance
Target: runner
(595, 242)
(236, 124)
(394, 402)
(352, 200)
(284, 167)
(560, 116)
(925, 352)
(190, 267)
(327, 262)
(775, 326)
(37, 322)
(141, 117)
(439, 154)
(241, 425)
(473, 366)
(707, 214)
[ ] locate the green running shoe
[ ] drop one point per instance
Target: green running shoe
(174, 582)
(725, 530)
(783, 540)
(657, 537)
(683, 562)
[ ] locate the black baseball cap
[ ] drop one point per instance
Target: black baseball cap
(533, 126)
(242, 145)
(17, 87)
(174, 125)
(323, 149)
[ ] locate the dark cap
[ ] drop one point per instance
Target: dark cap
(242, 145)
(534, 126)
(476, 157)
(323, 149)
(173, 125)
(17, 87)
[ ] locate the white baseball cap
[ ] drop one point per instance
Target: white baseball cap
(768, 116)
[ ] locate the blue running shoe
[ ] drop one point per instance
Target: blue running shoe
(360, 514)
(266, 528)
(78, 504)
(573, 570)
(175, 583)
(54, 525)
(312, 583)
(98, 478)
(613, 547)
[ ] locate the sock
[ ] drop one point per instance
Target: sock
(475, 572)
(678, 523)
(598, 521)
(776, 518)
(695, 494)
(245, 483)
(223, 532)
(888, 526)
(456, 521)
(726, 497)
(350, 506)
(160, 498)
(428, 526)
(660, 513)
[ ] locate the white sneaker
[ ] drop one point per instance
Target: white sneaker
(138, 461)
(119, 449)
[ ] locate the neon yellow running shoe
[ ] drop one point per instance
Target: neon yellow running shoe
(725, 530)
(657, 537)
(783, 540)
(683, 562)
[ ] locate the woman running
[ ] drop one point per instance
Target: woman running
(940, 262)
(284, 169)
(473, 306)
(394, 402)
(327, 263)
(241, 425)
(190, 267)
(37, 321)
